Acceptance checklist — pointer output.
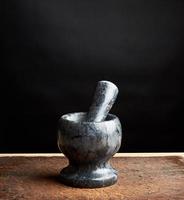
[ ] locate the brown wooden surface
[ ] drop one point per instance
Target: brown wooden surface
(140, 178)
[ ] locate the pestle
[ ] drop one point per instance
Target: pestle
(104, 98)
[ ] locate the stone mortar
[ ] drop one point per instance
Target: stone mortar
(88, 146)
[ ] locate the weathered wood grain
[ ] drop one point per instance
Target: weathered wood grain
(140, 178)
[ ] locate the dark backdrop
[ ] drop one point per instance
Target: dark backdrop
(56, 51)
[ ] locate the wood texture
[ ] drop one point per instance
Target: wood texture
(140, 178)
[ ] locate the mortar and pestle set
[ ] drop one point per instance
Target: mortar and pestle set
(89, 140)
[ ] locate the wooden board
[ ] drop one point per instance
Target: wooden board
(140, 178)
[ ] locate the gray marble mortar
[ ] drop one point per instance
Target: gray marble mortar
(88, 145)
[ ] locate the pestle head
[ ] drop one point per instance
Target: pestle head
(104, 98)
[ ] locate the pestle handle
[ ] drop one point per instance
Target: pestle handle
(104, 98)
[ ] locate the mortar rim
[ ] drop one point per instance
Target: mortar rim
(64, 118)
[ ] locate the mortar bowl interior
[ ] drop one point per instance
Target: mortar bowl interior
(80, 117)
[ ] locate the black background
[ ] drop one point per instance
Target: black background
(56, 51)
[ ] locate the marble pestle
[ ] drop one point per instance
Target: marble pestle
(104, 98)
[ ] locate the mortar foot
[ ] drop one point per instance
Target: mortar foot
(88, 178)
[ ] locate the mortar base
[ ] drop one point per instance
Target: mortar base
(84, 177)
